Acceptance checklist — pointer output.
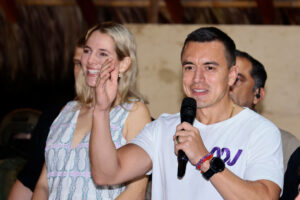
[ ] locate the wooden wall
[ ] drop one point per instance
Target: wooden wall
(277, 47)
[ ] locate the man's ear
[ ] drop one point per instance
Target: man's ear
(232, 76)
(125, 64)
(259, 95)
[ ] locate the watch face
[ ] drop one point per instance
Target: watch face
(217, 164)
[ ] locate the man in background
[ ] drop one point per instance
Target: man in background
(248, 91)
(24, 186)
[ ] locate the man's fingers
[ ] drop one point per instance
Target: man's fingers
(184, 126)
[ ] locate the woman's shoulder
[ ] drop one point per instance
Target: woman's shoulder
(139, 108)
(138, 117)
(71, 105)
(139, 112)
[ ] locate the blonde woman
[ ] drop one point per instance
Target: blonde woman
(66, 173)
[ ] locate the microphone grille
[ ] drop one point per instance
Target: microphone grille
(188, 108)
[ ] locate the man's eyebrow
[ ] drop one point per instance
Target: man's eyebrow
(211, 63)
(187, 63)
(206, 63)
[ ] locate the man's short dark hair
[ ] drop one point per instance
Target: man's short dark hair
(209, 34)
(258, 72)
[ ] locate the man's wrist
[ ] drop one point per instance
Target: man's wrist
(203, 161)
(216, 165)
(205, 166)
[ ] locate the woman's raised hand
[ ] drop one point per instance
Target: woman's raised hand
(107, 85)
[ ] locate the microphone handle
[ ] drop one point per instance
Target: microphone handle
(182, 160)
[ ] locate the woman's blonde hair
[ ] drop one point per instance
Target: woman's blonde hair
(125, 46)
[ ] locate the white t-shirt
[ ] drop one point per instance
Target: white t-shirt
(249, 144)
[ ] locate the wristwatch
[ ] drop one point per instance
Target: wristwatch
(216, 165)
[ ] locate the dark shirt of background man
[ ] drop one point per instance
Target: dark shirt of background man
(292, 177)
(29, 175)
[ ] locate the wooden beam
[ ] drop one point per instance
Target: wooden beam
(288, 18)
(47, 2)
(175, 9)
(145, 3)
(153, 11)
(88, 11)
(119, 15)
(10, 9)
(165, 14)
(238, 4)
(219, 4)
(267, 11)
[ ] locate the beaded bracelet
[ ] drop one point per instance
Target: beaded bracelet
(202, 160)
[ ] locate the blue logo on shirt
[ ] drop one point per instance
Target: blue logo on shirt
(225, 151)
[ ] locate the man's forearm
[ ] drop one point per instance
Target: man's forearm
(232, 187)
(135, 190)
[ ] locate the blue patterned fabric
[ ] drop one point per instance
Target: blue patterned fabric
(68, 168)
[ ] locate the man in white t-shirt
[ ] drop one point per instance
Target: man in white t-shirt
(233, 152)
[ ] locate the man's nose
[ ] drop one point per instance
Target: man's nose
(199, 75)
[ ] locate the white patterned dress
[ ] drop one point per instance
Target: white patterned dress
(68, 169)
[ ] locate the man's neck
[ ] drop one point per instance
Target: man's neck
(253, 107)
(216, 113)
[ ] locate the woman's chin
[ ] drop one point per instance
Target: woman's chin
(91, 83)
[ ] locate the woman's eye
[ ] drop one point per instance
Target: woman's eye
(103, 54)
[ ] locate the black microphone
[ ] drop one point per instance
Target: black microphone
(187, 114)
